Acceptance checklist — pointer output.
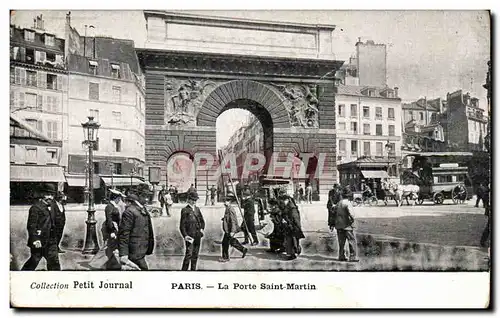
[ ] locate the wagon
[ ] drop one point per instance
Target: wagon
(358, 199)
(449, 181)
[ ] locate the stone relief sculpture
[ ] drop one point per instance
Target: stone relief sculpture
(301, 102)
(183, 98)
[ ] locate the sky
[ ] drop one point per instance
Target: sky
(429, 53)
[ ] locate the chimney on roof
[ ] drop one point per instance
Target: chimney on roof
(68, 18)
(38, 23)
(396, 89)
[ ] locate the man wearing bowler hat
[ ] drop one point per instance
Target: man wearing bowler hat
(192, 226)
(135, 234)
(43, 237)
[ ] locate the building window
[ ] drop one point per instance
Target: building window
(115, 71)
(342, 146)
(93, 91)
(410, 113)
(392, 130)
(52, 130)
(94, 113)
(117, 168)
(342, 110)
(93, 67)
(96, 168)
(37, 124)
(378, 113)
(52, 104)
(52, 156)
(30, 100)
(354, 147)
(29, 35)
(366, 112)
(12, 153)
(378, 130)
(117, 145)
(29, 55)
(390, 113)
(379, 149)
(49, 40)
(354, 110)
(117, 116)
(366, 149)
(51, 81)
(421, 115)
(31, 155)
(117, 95)
(342, 126)
(366, 129)
(31, 78)
(371, 92)
(354, 127)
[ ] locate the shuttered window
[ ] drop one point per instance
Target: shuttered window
(93, 91)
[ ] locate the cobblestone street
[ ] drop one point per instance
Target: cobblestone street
(427, 237)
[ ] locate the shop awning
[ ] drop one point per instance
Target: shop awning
(375, 174)
(36, 174)
(80, 180)
(122, 182)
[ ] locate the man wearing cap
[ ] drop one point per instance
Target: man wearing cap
(248, 226)
(291, 225)
(344, 224)
(230, 228)
(42, 234)
(191, 227)
(135, 234)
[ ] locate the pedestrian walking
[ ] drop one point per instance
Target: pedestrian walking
(344, 223)
(309, 191)
(292, 227)
(230, 228)
(161, 199)
(301, 194)
(481, 192)
(276, 232)
(110, 229)
(59, 213)
(42, 235)
(213, 193)
(135, 234)
(248, 225)
(192, 226)
(485, 237)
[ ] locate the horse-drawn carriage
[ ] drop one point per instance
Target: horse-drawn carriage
(449, 182)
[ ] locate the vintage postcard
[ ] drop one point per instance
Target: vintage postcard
(250, 159)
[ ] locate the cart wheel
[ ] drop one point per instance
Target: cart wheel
(357, 202)
(373, 201)
(438, 198)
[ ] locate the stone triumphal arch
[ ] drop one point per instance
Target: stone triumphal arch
(198, 67)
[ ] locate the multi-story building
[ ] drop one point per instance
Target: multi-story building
(106, 83)
(423, 112)
(368, 122)
(368, 112)
(464, 122)
(38, 98)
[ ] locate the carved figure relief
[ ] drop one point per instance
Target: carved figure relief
(301, 104)
(183, 99)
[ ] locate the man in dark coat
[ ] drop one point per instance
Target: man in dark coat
(192, 226)
(230, 228)
(161, 199)
(481, 193)
(292, 225)
(42, 234)
(135, 234)
(213, 194)
(344, 224)
(59, 212)
(277, 237)
(248, 226)
(110, 228)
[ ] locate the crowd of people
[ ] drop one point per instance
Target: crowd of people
(129, 237)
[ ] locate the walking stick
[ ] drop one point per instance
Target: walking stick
(237, 199)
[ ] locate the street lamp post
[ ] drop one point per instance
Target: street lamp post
(388, 149)
(132, 171)
(90, 130)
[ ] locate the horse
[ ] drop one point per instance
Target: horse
(402, 192)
